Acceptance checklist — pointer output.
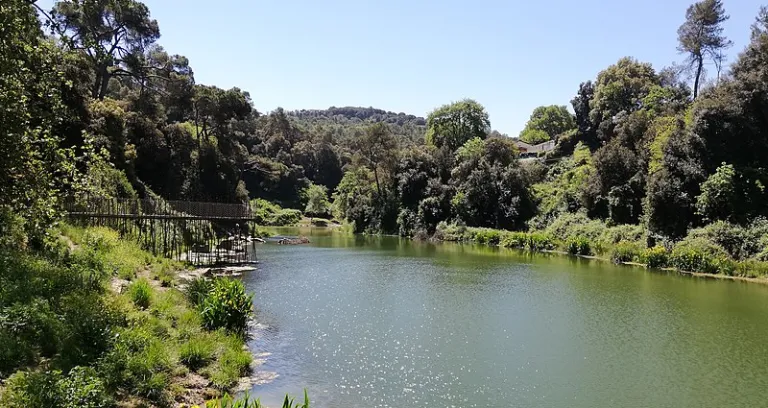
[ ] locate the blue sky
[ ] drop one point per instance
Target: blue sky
(412, 56)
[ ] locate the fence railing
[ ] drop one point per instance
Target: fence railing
(197, 232)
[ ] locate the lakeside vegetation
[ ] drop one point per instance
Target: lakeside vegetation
(646, 169)
(95, 321)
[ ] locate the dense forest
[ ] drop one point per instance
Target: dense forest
(95, 103)
(666, 166)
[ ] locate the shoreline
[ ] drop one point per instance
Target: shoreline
(701, 275)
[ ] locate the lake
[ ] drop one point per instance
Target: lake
(385, 322)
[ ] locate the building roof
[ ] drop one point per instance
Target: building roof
(539, 148)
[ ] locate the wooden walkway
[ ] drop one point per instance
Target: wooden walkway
(202, 233)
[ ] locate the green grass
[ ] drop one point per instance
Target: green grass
(141, 293)
(247, 402)
(131, 345)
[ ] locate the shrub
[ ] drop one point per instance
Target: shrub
(752, 269)
(246, 402)
(570, 225)
(139, 363)
(81, 389)
(84, 389)
(538, 241)
(701, 255)
(197, 290)
(578, 246)
(196, 352)
(656, 257)
(739, 242)
(514, 240)
(450, 232)
(625, 252)
(267, 213)
(227, 306)
(140, 293)
(286, 217)
(627, 233)
(233, 363)
(486, 236)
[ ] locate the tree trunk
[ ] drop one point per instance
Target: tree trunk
(376, 176)
(699, 69)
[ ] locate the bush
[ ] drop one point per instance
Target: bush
(196, 352)
(752, 269)
(701, 255)
(286, 217)
(233, 363)
(740, 242)
(625, 252)
(84, 389)
(578, 246)
(451, 232)
(656, 257)
(246, 402)
(140, 363)
(626, 233)
(227, 306)
(538, 241)
(140, 293)
(267, 213)
(81, 389)
(197, 290)
(569, 225)
(486, 236)
(514, 240)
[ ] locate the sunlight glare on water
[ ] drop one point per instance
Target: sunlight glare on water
(384, 322)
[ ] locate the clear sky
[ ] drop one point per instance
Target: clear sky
(414, 55)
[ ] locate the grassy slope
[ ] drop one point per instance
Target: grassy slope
(118, 313)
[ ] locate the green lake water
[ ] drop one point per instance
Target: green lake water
(386, 322)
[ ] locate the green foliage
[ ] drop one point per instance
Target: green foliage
(267, 213)
(80, 389)
(317, 200)
(247, 402)
(740, 242)
(620, 88)
(197, 352)
(227, 306)
(492, 189)
(700, 255)
(534, 136)
(700, 37)
(452, 125)
(486, 236)
(197, 290)
(656, 257)
(546, 123)
(140, 293)
(578, 246)
(719, 197)
(626, 252)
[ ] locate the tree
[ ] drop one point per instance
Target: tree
(492, 190)
(620, 89)
(552, 120)
(317, 200)
(379, 149)
(454, 124)
(701, 37)
(112, 33)
(534, 136)
(719, 196)
(34, 170)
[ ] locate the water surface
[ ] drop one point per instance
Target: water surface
(385, 322)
